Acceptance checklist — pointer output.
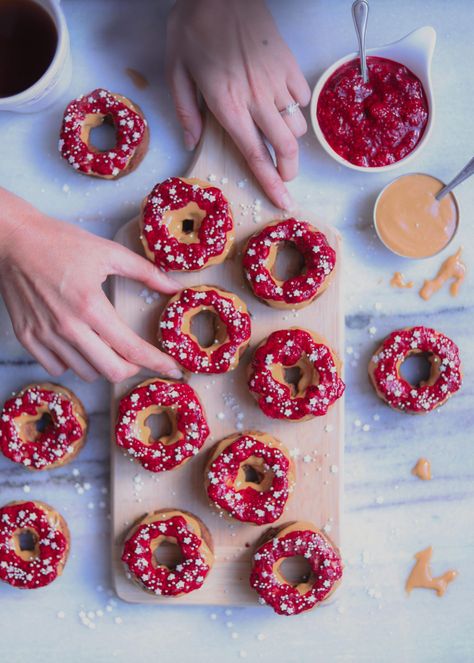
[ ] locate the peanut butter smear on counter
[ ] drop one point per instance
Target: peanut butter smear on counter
(398, 281)
(139, 80)
(409, 219)
(453, 269)
(422, 469)
(421, 576)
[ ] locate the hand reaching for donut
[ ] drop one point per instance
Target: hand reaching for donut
(232, 53)
(51, 277)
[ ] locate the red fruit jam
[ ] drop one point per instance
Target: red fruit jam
(375, 123)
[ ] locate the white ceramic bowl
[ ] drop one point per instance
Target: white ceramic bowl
(415, 51)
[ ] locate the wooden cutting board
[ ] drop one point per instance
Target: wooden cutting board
(316, 445)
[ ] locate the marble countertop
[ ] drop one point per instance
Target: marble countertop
(389, 514)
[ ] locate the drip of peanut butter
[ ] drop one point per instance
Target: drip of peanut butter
(422, 469)
(452, 268)
(421, 575)
(398, 281)
(138, 79)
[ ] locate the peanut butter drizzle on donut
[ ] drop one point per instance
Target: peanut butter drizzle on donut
(422, 469)
(398, 281)
(452, 268)
(421, 577)
(139, 80)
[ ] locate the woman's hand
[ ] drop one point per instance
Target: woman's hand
(232, 53)
(51, 277)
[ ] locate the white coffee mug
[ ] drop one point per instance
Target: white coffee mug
(55, 80)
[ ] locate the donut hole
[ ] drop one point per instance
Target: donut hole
(159, 424)
(288, 262)
(254, 473)
(25, 542)
(184, 223)
(207, 328)
(295, 571)
(43, 423)
(99, 132)
(167, 553)
(297, 377)
(293, 375)
(31, 429)
(187, 226)
(419, 368)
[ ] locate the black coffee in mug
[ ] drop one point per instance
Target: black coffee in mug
(28, 41)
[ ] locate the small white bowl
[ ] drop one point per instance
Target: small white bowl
(415, 51)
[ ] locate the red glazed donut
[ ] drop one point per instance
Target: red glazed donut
(232, 329)
(185, 530)
(90, 111)
(42, 560)
(445, 376)
(62, 437)
(186, 225)
(189, 428)
(319, 386)
(249, 477)
(259, 258)
(297, 539)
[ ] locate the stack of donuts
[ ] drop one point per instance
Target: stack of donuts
(186, 225)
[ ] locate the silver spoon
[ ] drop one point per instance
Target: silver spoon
(360, 15)
(466, 172)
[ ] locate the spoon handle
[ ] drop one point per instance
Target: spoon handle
(466, 172)
(360, 15)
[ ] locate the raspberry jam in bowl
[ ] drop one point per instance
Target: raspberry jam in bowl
(382, 124)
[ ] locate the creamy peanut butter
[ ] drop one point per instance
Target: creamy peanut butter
(409, 219)
(138, 79)
(421, 575)
(453, 269)
(422, 469)
(398, 281)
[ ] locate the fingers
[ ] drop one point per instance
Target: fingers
(124, 262)
(131, 347)
(72, 358)
(299, 88)
(81, 341)
(295, 120)
(273, 126)
(241, 127)
(185, 100)
(48, 360)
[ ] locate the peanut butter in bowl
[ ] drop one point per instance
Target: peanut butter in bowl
(410, 221)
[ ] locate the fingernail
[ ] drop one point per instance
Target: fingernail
(189, 141)
(175, 373)
(286, 202)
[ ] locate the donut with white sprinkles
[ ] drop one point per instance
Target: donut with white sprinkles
(319, 384)
(184, 530)
(444, 380)
(297, 539)
(34, 544)
(231, 329)
(259, 258)
(249, 477)
(43, 426)
(189, 429)
(90, 111)
(186, 225)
